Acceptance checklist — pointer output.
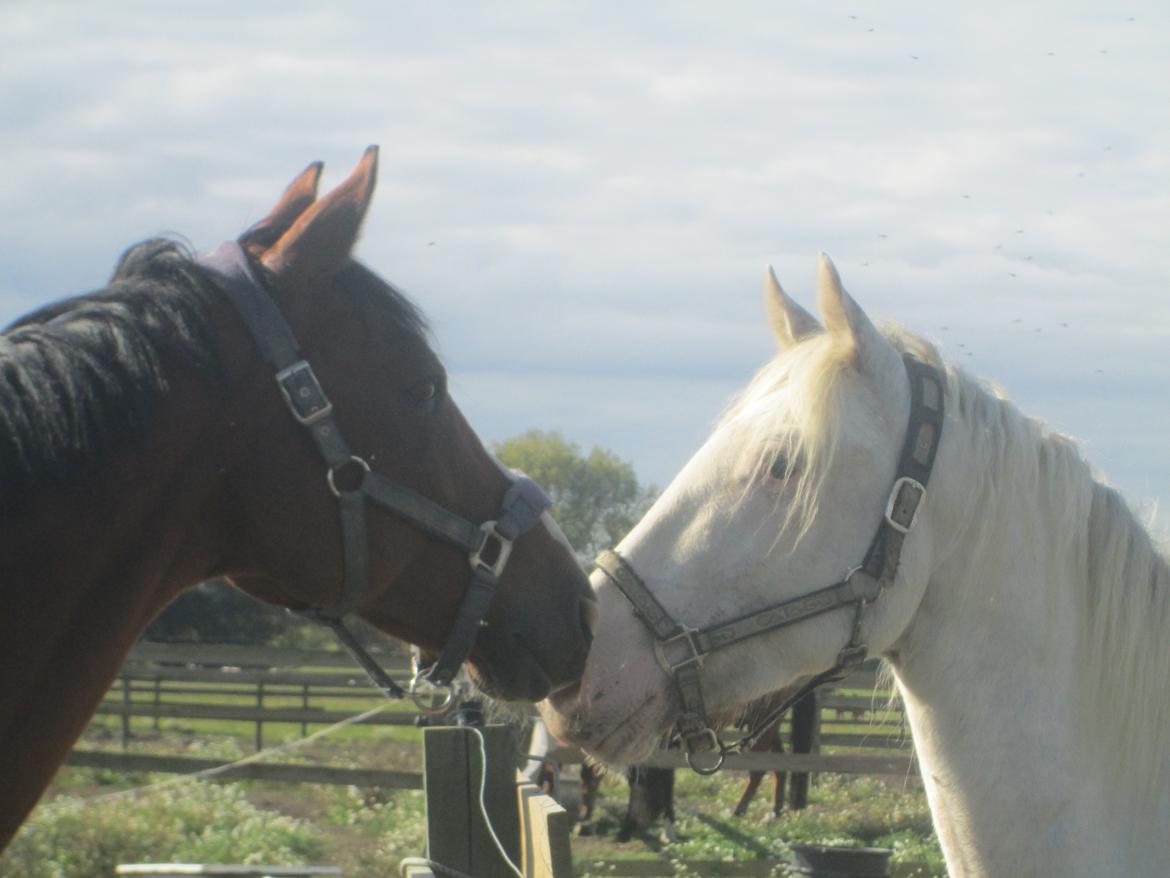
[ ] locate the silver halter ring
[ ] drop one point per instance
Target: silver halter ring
(700, 766)
(424, 694)
(331, 474)
(706, 770)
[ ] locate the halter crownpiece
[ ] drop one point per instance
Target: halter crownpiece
(680, 650)
(488, 545)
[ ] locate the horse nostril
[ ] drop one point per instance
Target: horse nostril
(588, 618)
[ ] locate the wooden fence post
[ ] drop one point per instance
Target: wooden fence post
(456, 834)
(259, 723)
(545, 830)
(805, 721)
(305, 707)
(157, 699)
(126, 715)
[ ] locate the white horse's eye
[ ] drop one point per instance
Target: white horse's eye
(780, 469)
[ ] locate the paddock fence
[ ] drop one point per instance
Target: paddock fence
(860, 730)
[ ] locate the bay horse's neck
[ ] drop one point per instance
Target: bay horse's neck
(991, 668)
(87, 565)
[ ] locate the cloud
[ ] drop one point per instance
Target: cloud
(583, 198)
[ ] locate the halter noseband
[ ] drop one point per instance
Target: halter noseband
(488, 545)
(680, 650)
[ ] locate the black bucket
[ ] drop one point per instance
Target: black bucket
(830, 861)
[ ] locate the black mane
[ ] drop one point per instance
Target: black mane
(80, 378)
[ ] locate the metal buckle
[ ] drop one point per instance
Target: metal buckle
(851, 656)
(309, 392)
(687, 636)
(895, 494)
(424, 694)
(503, 550)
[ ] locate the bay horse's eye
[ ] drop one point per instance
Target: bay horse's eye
(426, 390)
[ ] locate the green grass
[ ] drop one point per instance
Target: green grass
(71, 838)
(864, 811)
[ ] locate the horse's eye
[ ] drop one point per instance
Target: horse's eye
(780, 469)
(426, 390)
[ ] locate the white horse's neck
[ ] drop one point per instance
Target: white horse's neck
(989, 671)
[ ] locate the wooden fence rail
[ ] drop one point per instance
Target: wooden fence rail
(322, 774)
(256, 685)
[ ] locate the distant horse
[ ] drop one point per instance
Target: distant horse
(802, 733)
(145, 446)
(651, 798)
(862, 496)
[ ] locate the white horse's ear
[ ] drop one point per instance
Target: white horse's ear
(790, 323)
(844, 319)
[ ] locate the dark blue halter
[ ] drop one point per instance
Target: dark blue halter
(487, 545)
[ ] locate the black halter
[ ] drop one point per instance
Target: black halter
(488, 545)
(681, 650)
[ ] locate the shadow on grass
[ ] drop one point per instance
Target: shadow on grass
(727, 830)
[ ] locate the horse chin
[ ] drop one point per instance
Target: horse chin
(511, 675)
(622, 738)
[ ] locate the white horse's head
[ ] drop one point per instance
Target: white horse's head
(783, 499)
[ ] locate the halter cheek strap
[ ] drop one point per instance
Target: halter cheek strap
(680, 650)
(488, 545)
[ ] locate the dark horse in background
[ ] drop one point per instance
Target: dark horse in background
(145, 447)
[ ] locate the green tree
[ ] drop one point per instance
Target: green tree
(214, 612)
(596, 496)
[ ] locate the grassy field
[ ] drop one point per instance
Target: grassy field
(75, 834)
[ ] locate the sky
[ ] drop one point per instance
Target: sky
(583, 197)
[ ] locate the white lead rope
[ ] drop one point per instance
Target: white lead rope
(221, 769)
(487, 821)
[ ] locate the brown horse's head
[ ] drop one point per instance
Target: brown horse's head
(368, 348)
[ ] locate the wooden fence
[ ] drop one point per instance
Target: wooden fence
(861, 731)
(477, 813)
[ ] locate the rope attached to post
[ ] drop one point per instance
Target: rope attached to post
(247, 760)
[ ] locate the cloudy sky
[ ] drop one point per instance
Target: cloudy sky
(583, 197)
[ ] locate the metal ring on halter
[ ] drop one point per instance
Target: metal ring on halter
(418, 694)
(707, 770)
(330, 475)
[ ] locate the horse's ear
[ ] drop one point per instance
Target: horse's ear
(300, 193)
(790, 323)
(321, 238)
(844, 319)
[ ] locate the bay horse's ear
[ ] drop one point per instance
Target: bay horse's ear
(865, 347)
(300, 193)
(790, 323)
(322, 237)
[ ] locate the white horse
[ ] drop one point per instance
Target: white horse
(1028, 623)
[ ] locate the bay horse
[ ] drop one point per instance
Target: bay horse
(802, 739)
(146, 447)
(863, 496)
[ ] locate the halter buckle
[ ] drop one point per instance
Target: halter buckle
(492, 552)
(685, 636)
(852, 656)
(896, 510)
(303, 393)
